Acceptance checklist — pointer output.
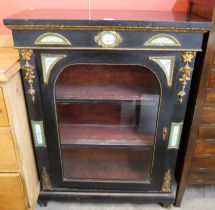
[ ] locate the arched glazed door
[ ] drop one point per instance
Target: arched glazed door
(105, 121)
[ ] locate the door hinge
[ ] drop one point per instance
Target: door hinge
(166, 187)
(46, 184)
(165, 133)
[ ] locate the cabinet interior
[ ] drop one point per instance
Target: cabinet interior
(107, 119)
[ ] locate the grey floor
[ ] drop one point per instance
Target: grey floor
(196, 198)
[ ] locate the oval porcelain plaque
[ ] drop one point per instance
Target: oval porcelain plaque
(108, 39)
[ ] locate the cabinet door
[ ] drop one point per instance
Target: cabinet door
(105, 122)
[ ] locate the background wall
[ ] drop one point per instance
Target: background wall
(10, 7)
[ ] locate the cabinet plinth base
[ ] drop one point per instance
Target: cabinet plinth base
(151, 197)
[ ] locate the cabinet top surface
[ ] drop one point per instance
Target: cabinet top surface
(105, 17)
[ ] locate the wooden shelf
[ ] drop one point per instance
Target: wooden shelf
(102, 92)
(98, 136)
(106, 164)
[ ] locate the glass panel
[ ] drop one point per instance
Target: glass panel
(106, 164)
(107, 118)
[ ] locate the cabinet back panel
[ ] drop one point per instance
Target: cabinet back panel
(106, 114)
(107, 74)
(107, 164)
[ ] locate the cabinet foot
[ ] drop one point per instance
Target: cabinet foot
(166, 205)
(42, 202)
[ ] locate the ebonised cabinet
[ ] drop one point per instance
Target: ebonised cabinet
(106, 99)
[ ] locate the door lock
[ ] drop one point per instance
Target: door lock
(165, 132)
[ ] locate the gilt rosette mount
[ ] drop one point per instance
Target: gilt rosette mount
(186, 71)
(29, 71)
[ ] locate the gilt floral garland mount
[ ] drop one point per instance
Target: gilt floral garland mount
(185, 71)
(26, 55)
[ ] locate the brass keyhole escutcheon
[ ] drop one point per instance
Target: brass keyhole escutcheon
(165, 132)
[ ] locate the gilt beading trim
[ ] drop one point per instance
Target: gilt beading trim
(107, 28)
(115, 49)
